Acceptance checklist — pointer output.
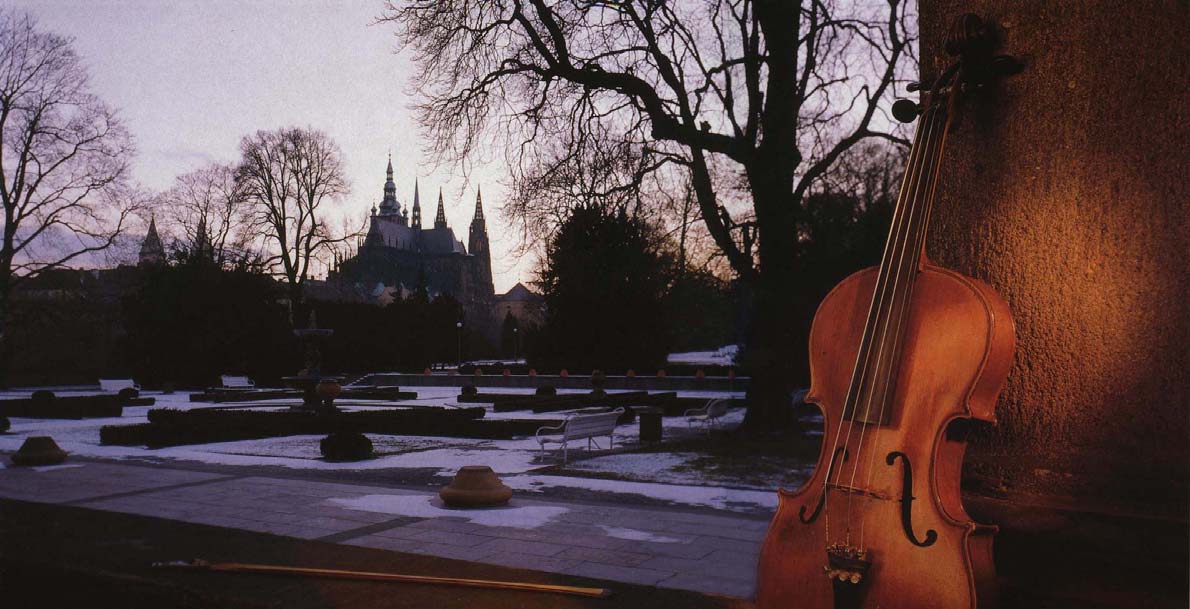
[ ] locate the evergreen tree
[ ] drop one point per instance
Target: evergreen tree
(189, 322)
(604, 282)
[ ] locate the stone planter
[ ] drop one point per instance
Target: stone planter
(328, 390)
(475, 486)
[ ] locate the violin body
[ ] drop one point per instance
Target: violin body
(924, 551)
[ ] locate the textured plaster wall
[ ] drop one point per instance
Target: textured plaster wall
(1067, 192)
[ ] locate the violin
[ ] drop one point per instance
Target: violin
(903, 357)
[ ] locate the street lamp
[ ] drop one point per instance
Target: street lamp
(459, 350)
(516, 344)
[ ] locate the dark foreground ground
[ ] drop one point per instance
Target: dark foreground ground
(59, 556)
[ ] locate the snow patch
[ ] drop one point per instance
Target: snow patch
(424, 506)
(715, 497)
(635, 535)
(724, 356)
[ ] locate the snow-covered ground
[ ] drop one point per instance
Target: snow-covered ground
(723, 356)
(657, 476)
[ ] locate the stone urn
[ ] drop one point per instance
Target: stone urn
(38, 450)
(328, 390)
(475, 486)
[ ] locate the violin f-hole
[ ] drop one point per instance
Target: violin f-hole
(801, 513)
(907, 502)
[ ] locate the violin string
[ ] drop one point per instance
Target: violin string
(907, 270)
(857, 378)
(860, 378)
(889, 298)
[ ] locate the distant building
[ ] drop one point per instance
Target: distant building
(525, 305)
(152, 252)
(399, 256)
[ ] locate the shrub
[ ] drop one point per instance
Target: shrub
(346, 446)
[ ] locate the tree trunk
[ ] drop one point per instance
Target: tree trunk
(776, 352)
(5, 331)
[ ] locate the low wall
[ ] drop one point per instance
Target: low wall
(640, 383)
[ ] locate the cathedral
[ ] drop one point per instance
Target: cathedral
(399, 255)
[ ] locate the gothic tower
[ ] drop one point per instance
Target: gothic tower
(389, 205)
(416, 206)
(152, 253)
(440, 218)
(477, 241)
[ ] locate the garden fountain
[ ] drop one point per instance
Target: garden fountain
(318, 390)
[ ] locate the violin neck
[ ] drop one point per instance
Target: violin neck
(873, 380)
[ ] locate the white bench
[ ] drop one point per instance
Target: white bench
(707, 416)
(236, 382)
(579, 426)
(115, 385)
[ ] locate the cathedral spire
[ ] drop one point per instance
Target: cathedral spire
(389, 205)
(416, 205)
(478, 204)
(477, 243)
(151, 250)
(440, 219)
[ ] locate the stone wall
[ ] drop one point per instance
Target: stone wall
(1067, 192)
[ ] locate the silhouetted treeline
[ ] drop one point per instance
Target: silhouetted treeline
(407, 335)
(187, 323)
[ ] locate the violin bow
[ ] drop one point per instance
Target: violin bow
(235, 567)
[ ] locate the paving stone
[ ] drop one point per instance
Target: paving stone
(521, 534)
(607, 557)
(715, 530)
(676, 550)
(451, 524)
(521, 546)
(384, 543)
(735, 545)
(530, 561)
(720, 563)
(633, 575)
(471, 553)
(698, 582)
(305, 532)
(326, 522)
(450, 538)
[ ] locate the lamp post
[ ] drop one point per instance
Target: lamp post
(516, 344)
(459, 349)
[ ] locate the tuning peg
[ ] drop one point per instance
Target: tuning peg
(905, 110)
(921, 85)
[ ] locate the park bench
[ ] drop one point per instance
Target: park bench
(578, 427)
(236, 382)
(116, 385)
(708, 416)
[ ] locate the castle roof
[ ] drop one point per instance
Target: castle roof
(519, 293)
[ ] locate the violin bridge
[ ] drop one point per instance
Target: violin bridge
(846, 564)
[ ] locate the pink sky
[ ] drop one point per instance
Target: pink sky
(191, 78)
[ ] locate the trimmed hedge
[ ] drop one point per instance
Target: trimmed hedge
(73, 407)
(219, 396)
(168, 427)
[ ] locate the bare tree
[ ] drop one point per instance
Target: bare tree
(289, 178)
(207, 207)
(64, 157)
(773, 91)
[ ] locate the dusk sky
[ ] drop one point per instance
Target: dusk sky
(191, 78)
